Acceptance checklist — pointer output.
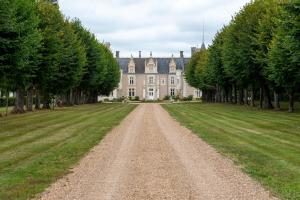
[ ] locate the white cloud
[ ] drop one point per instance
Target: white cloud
(161, 26)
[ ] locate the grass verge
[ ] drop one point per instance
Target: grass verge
(38, 148)
(266, 144)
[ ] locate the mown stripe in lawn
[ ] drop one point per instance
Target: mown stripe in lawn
(47, 129)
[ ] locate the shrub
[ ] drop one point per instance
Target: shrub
(188, 98)
(136, 98)
(167, 97)
(176, 98)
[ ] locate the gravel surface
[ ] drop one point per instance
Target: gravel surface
(150, 156)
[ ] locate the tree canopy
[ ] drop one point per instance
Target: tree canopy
(255, 55)
(57, 58)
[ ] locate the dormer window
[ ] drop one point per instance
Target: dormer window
(131, 66)
(172, 66)
(151, 68)
(151, 65)
(131, 69)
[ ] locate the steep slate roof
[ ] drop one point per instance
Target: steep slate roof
(162, 64)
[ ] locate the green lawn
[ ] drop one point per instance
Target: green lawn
(266, 144)
(37, 148)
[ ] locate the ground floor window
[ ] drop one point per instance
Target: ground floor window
(197, 93)
(131, 92)
(151, 92)
(172, 91)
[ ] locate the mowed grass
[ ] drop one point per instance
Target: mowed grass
(266, 144)
(38, 148)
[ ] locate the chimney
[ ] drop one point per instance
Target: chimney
(117, 54)
(181, 54)
(140, 54)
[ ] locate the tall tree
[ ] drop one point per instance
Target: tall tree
(215, 68)
(51, 52)
(262, 40)
(72, 62)
(20, 38)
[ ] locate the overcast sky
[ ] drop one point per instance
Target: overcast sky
(162, 26)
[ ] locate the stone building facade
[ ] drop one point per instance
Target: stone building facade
(153, 78)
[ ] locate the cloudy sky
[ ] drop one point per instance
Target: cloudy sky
(162, 26)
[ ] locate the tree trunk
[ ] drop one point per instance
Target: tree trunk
(267, 98)
(229, 95)
(252, 103)
(19, 104)
(276, 101)
(47, 102)
(241, 96)
(71, 101)
(29, 99)
(291, 102)
(246, 96)
(37, 100)
(261, 98)
(235, 94)
(7, 100)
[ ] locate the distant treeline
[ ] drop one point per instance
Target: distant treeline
(255, 57)
(47, 57)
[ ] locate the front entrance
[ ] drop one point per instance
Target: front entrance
(150, 93)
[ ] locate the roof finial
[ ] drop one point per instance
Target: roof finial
(150, 53)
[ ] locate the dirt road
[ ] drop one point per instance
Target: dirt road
(150, 156)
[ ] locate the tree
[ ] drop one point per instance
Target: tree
(72, 62)
(215, 69)
(196, 73)
(262, 41)
(8, 36)
(284, 55)
(20, 40)
(51, 52)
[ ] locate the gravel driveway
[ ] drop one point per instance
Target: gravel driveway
(150, 156)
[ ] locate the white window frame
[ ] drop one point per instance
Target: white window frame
(172, 92)
(131, 92)
(131, 69)
(151, 78)
(131, 80)
(172, 69)
(172, 80)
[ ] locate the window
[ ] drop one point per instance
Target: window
(131, 80)
(163, 81)
(151, 68)
(197, 93)
(172, 69)
(131, 92)
(151, 80)
(172, 80)
(172, 91)
(151, 92)
(131, 69)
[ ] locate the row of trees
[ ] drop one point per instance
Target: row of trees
(45, 56)
(255, 57)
